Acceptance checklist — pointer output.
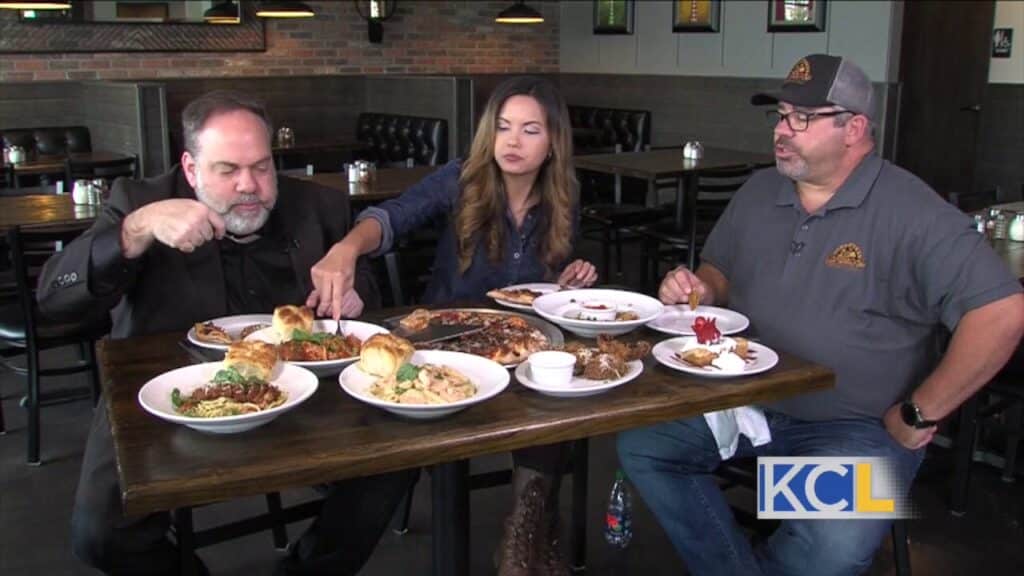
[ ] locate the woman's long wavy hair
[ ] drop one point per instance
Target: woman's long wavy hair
(480, 213)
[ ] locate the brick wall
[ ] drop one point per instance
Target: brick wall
(423, 37)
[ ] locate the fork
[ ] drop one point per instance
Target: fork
(337, 327)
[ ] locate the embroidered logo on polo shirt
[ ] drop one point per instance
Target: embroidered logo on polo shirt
(848, 255)
(800, 73)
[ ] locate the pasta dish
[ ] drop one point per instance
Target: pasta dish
(228, 394)
(426, 384)
(318, 346)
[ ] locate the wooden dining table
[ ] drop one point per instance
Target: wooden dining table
(55, 164)
(332, 436)
(44, 210)
(311, 146)
(388, 183)
(654, 165)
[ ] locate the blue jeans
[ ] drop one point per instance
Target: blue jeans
(671, 465)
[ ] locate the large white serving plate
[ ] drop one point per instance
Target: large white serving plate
(578, 386)
(545, 287)
(361, 330)
(556, 306)
(678, 320)
(665, 352)
(233, 325)
(489, 377)
(155, 396)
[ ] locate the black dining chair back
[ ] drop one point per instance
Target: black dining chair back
(109, 170)
(23, 329)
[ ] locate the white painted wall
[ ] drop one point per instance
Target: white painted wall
(743, 47)
(1009, 14)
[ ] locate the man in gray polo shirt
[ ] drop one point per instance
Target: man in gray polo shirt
(844, 259)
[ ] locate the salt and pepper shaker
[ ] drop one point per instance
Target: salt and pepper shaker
(1015, 231)
(693, 150)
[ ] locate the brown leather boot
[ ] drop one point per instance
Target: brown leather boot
(525, 528)
(552, 561)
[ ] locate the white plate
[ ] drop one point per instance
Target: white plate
(155, 396)
(361, 330)
(555, 306)
(665, 353)
(578, 386)
(233, 325)
(679, 319)
(489, 377)
(545, 287)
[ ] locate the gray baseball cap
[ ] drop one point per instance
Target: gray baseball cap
(823, 80)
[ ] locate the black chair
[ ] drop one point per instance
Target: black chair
(578, 467)
(613, 223)
(391, 139)
(974, 200)
(108, 170)
(742, 473)
(22, 327)
(663, 242)
(1003, 395)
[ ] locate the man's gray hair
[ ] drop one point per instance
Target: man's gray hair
(196, 114)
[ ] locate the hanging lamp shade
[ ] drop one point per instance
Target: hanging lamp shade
(223, 13)
(29, 5)
(284, 10)
(519, 13)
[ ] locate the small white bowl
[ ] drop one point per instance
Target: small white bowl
(598, 310)
(551, 367)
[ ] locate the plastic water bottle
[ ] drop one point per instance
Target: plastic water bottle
(618, 522)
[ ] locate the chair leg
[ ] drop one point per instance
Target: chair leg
(277, 528)
(32, 406)
(394, 278)
(1013, 423)
(580, 468)
(963, 455)
(901, 547)
(403, 524)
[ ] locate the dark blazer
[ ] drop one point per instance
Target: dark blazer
(168, 290)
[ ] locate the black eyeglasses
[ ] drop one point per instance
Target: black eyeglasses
(799, 121)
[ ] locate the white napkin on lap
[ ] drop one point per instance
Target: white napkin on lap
(727, 425)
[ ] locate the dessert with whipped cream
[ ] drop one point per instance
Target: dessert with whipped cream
(710, 349)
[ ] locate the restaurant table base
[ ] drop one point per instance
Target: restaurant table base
(274, 520)
(450, 518)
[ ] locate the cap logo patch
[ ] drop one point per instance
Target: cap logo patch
(847, 255)
(801, 72)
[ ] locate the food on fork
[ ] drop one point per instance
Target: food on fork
(251, 359)
(287, 319)
(383, 354)
(210, 332)
(417, 321)
(694, 300)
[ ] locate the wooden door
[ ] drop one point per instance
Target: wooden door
(943, 73)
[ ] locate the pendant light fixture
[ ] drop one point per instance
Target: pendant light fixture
(223, 13)
(29, 5)
(519, 13)
(284, 10)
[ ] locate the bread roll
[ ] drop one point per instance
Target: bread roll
(288, 319)
(252, 359)
(383, 354)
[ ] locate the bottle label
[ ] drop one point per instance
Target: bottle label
(612, 522)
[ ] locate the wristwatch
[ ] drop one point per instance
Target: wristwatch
(912, 416)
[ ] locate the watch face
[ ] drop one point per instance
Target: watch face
(909, 414)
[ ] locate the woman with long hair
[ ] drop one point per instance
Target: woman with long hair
(512, 211)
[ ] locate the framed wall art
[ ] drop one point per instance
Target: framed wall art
(796, 15)
(613, 16)
(696, 15)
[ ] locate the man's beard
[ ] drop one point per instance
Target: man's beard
(795, 167)
(236, 224)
